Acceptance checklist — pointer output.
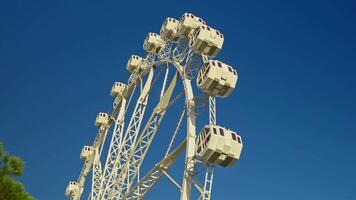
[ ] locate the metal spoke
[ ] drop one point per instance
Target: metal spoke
(175, 133)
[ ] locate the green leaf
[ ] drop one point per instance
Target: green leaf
(10, 188)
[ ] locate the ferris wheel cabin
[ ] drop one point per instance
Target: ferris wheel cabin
(217, 79)
(169, 29)
(153, 43)
(219, 146)
(207, 41)
(86, 153)
(101, 119)
(135, 63)
(72, 189)
(188, 23)
(117, 89)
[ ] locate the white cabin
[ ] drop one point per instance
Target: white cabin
(101, 119)
(207, 41)
(72, 190)
(169, 29)
(118, 89)
(86, 153)
(219, 146)
(234, 152)
(153, 43)
(188, 23)
(136, 63)
(217, 79)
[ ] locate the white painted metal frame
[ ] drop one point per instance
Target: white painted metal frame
(129, 139)
(115, 144)
(98, 142)
(128, 148)
(138, 153)
(142, 146)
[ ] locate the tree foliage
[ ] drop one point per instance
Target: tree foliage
(10, 168)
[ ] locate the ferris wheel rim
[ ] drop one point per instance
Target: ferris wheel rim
(189, 103)
(191, 117)
(187, 61)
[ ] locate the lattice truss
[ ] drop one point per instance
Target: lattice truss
(182, 52)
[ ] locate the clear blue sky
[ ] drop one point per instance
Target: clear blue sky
(294, 104)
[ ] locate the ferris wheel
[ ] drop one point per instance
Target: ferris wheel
(178, 77)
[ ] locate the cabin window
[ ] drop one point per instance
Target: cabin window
(239, 139)
(206, 130)
(219, 64)
(221, 131)
(200, 79)
(233, 136)
(208, 28)
(207, 70)
(230, 69)
(197, 33)
(214, 130)
(234, 72)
